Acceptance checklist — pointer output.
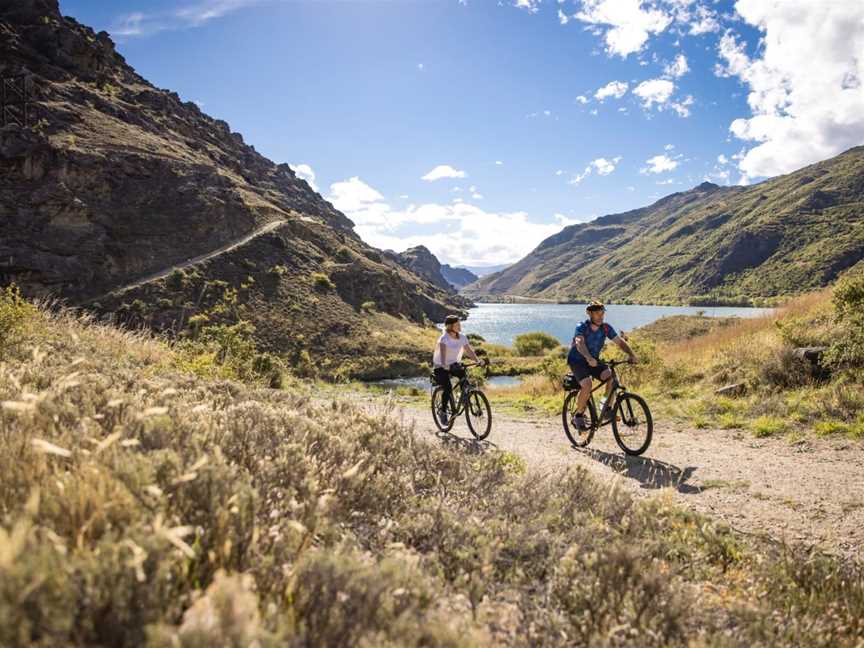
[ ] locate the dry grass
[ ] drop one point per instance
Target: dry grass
(140, 505)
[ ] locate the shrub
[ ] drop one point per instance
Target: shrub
(278, 270)
(321, 282)
(534, 344)
(474, 338)
(847, 349)
(176, 280)
(344, 255)
(766, 426)
(368, 307)
(15, 313)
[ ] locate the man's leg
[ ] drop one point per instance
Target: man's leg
(584, 395)
(606, 375)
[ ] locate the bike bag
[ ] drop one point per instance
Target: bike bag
(569, 382)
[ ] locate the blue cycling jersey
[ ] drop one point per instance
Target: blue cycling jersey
(595, 340)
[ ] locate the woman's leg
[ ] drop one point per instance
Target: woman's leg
(442, 377)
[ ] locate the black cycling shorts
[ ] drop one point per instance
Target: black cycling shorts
(582, 370)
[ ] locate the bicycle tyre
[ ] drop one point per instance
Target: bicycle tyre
(577, 438)
(626, 412)
(478, 405)
(437, 397)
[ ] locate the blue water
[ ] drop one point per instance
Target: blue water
(422, 382)
(501, 323)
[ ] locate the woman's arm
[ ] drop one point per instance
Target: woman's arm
(470, 351)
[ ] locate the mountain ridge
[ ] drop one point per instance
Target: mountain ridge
(708, 244)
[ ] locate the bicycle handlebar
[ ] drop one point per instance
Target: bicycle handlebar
(615, 363)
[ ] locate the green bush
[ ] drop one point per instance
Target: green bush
(368, 307)
(847, 348)
(534, 344)
(321, 282)
(15, 313)
(278, 270)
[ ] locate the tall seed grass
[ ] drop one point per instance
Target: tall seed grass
(141, 505)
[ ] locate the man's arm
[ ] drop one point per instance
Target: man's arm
(582, 348)
(622, 344)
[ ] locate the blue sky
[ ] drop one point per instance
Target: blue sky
(480, 127)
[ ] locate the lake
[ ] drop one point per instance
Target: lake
(422, 382)
(501, 323)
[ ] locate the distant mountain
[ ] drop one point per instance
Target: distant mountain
(424, 264)
(786, 235)
(124, 198)
(458, 277)
(482, 271)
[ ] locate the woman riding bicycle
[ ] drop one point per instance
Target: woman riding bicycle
(588, 341)
(446, 357)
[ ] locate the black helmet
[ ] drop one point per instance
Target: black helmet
(595, 305)
(451, 319)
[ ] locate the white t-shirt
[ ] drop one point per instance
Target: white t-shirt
(453, 350)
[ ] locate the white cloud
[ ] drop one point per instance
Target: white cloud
(458, 233)
(668, 147)
(682, 107)
(559, 172)
(443, 171)
(668, 181)
(184, 17)
(582, 99)
(601, 166)
(498, 163)
(660, 164)
(628, 24)
(532, 6)
(654, 91)
(704, 22)
(420, 66)
(305, 172)
(806, 97)
(563, 18)
(615, 89)
(722, 159)
(477, 196)
(678, 67)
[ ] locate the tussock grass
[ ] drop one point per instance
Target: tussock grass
(144, 505)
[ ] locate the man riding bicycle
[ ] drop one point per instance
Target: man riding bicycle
(446, 358)
(588, 342)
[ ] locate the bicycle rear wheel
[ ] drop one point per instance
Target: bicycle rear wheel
(478, 414)
(632, 424)
(579, 438)
(437, 405)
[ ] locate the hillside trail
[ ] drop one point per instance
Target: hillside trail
(201, 258)
(810, 492)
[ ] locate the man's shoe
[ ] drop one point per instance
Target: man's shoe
(442, 416)
(580, 422)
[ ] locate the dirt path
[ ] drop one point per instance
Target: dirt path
(811, 492)
(161, 274)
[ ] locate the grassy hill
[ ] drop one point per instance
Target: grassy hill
(141, 504)
(711, 244)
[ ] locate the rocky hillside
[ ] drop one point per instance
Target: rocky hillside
(710, 244)
(458, 277)
(425, 264)
(120, 182)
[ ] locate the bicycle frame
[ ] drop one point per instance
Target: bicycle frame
(602, 418)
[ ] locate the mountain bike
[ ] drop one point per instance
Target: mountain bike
(628, 414)
(467, 398)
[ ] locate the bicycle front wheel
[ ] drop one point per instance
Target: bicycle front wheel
(438, 409)
(479, 414)
(579, 438)
(632, 424)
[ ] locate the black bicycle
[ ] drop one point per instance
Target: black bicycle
(468, 398)
(628, 413)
